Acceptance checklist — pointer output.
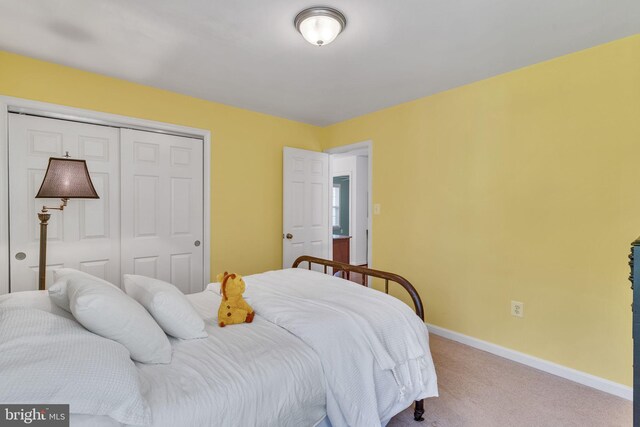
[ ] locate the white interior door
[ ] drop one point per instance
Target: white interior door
(305, 205)
(86, 234)
(162, 207)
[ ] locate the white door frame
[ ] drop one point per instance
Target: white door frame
(54, 111)
(345, 149)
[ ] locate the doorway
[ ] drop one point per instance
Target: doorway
(314, 213)
(350, 171)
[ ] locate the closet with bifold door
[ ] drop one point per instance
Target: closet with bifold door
(148, 219)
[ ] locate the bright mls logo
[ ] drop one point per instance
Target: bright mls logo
(34, 415)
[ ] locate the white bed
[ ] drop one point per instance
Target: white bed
(318, 345)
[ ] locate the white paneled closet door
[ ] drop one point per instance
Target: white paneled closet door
(162, 207)
(86, 235)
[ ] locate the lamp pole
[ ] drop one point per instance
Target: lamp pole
(43, 216)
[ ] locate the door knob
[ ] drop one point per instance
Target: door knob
(196, 243)
(289, 236)
(20, 256)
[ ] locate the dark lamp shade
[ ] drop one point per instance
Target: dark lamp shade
(67, 179)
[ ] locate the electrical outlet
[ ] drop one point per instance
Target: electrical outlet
(517, 309)
(376, 209)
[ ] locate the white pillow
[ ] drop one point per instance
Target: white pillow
(168, 306)
(33, 299)
(58, 291)
(47, 359)
(107, 311)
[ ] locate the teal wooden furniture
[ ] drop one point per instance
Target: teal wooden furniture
(635, 308)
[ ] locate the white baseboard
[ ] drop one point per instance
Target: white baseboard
(580, 377)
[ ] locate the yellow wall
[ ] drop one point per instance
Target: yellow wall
(246, 152)
(521, 187)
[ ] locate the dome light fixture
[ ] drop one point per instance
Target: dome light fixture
(320, 25)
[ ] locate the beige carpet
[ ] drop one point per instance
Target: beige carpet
(480, 389)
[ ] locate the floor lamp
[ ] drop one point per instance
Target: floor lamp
(65, 179)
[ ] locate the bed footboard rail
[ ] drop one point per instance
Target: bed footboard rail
(347, 269)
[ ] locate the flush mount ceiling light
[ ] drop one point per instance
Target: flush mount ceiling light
(320, 25)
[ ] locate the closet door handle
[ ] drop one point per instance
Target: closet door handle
(196, 243)
(20, 256)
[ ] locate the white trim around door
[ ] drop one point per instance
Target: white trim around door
(43, 109)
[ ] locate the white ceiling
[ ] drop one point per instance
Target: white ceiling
(246, 53)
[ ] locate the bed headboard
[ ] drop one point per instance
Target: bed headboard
(346, 270)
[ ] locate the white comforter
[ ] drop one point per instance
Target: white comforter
(254, 374)
(318, 346)
(241, 375)
(374, 350)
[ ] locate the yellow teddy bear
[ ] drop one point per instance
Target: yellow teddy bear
(233, 308)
